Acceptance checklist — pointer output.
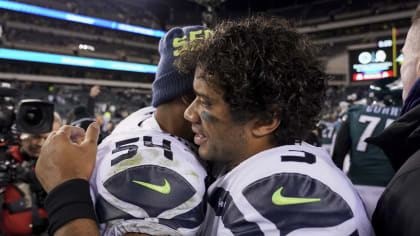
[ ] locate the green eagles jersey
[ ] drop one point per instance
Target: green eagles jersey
(368, 163)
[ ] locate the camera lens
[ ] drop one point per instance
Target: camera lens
(33, 116)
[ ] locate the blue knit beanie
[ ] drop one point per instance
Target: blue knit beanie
(169, 82)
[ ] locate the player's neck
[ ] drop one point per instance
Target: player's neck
(254, 147)
(170, 118)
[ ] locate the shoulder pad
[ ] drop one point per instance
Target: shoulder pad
(153, 188)
(355, 108)
(292, 201)
(223, 205)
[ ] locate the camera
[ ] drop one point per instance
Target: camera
(32, 116)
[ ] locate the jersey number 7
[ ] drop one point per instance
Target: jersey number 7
(368, 131)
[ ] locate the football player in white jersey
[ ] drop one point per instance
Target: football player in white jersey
(147, 178)
(259, 90)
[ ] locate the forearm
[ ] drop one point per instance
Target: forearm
(91, 106)
(79, 227)
(70, 209)
(63, 168)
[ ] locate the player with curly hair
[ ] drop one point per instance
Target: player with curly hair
(260, 89)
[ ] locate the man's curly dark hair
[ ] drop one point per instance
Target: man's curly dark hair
(266, 69)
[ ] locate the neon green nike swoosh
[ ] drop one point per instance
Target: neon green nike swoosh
(280, 200)
(164, 189)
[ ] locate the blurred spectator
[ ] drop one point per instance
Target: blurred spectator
(326, 131)
(94, 92)
(84, 115)
(370, 171)
(22, 196)
(397, 212)
(106, 118)
(109, 128)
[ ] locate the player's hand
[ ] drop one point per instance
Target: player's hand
(94, 91)
(68, 153)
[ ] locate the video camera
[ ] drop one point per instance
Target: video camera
(31, 116)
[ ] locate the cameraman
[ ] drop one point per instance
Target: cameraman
(22, 195)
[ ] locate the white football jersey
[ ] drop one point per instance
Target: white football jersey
(290, 190)
(147, 181)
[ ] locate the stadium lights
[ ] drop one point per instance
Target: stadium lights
(67, 16)
(86, 47)
(21, 55)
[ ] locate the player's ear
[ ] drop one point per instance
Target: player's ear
(262, 128)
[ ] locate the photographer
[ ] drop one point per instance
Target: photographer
(22, 195)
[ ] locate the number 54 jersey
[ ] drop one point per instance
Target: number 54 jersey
(292, 190)
(147, 181)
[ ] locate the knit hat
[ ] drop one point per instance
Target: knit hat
(169, 82)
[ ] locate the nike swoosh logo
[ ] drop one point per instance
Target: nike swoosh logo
(163, 189)
(280, 200)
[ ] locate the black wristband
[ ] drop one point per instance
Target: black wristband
(69, 201)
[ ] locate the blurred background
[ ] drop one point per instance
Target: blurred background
(56, 50)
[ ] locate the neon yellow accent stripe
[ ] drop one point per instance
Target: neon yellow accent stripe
(280, 200)
(164, 189)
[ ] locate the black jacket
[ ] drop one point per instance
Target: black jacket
(398, 209)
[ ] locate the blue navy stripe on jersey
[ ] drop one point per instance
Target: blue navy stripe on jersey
(190, 219)
(107, 212)
(233, 219)
(122, 186)
(319, 206)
